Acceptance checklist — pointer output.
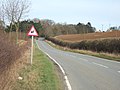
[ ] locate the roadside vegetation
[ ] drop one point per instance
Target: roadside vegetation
(41, 75)
(104, 45)
(11, 56)
(87, 52)
(16, 73)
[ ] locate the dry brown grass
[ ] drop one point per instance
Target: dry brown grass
(9, 76)
(12, 57)
(89, 36)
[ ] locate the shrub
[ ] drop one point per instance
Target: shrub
(10, 52)
(103, 45)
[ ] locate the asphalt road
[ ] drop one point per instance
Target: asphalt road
(86, 72)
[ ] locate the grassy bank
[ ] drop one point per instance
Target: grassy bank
(101, 55)
(41, 75)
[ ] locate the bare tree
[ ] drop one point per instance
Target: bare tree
(14, 11)
(2, 17)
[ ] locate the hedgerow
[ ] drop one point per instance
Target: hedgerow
(102, 45)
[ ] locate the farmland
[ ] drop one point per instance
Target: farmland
(105, 42)
(104, 45)
(89, 36)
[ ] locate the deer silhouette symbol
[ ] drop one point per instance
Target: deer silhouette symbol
(32, 31)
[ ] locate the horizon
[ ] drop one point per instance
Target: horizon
(98, 12)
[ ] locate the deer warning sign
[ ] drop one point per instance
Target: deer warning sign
(32, 32)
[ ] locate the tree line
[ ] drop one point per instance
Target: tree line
(13, 11)
(64, 29)
(48, 28)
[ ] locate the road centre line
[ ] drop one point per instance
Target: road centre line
(118, 62)
(100, 65)
(112, 61)
(79, 58)
(83, 59)
(104, 60)
(118, 71)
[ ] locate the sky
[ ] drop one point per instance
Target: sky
(102, 14)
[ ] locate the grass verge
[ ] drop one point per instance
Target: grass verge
(41, 75)
(101, 55)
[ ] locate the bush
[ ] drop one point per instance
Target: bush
(10, 52)
(104, 45)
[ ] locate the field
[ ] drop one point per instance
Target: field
(89, 36)
(103, 44)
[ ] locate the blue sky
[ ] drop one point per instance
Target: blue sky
(98, 12)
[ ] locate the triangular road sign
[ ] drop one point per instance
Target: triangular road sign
(32, 32)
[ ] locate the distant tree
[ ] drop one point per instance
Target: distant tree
(14, 11)
(82, 28)
(2, 17)
(25, 26)
(63, 29)
(119, 28)
(89, 24)
(2, 25)
(36, 20)
(39, 28)
(113, 28)
(79, 24)
(48, 21)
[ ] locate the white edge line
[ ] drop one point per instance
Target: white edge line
(65, 76)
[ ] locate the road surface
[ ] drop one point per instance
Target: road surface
(85, 72)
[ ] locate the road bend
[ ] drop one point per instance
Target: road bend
(85, 72)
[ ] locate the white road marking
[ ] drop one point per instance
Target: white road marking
(103, 60)
(118, 62)
(65, 76)
(118, 71)
(84, 59)
(100, 65)
(78, 58)
(111, 61)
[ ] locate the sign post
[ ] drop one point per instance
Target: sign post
(32, 49)
(32, 32)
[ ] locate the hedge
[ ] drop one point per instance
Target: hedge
(103, 45)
